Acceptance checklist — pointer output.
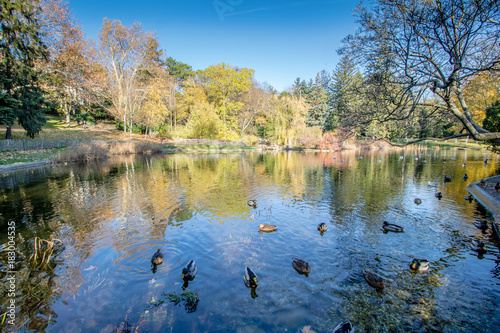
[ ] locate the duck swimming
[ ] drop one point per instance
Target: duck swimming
(446, 179)
(419, 265)
(301, 266)
(267, 227)
(157, 258)
(478, 246)
(438, 195)
(373, 279)
(189, 272)
(252, 203)
(483, 225)
(418, 201)
(322, 227)
(386, 226)
(250, 278)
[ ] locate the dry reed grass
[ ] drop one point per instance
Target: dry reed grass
(134, 147)
(100, 150)
(86, 152)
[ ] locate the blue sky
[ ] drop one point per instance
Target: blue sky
(280, 40)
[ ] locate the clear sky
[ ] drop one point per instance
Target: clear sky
(280, 40)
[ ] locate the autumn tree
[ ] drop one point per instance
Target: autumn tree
(21, 48)
(224, 85)
(70, 71)
(255, 103)
(125, 52)
(429, 48)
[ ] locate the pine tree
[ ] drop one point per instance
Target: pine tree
(21, 47)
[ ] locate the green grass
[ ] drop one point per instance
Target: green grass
(15, 157)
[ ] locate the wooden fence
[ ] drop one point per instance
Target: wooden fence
(36, 144)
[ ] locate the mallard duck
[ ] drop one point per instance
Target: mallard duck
(468, 198)
(250, 278)
(374, 280)
(301, 266)
(189, 272)
(322, 227)
(497, 187)
(252, 203)
(482, 183)
(483, 225)
(157, 258)
(267, 227)
(478, 246)
(345, 327)
(418, 201)
(391, 227)
(465, 176)
(438, 195)
(419, 265)
(446, 179)
(463, 165)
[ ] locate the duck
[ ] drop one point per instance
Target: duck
(373, 279)
(468, 198)
(386, 226)
(250, 278)
(483, 225)
(252, 203)
(157, 258)
(322, 227)
(301, 266)
(446, 179)
(267, 227)
(497, 187)
(344, 327)
(482, 183)
(463, 165)
(419, 265)
(478, 246)
(438, 195)
(189, 272)
(465, 176)
(418, 201)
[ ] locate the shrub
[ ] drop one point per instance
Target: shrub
(309, 137)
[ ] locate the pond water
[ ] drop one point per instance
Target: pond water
(112, 217)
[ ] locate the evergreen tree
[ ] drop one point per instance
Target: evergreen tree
(344, 96)
(317, 99)
(21, 47)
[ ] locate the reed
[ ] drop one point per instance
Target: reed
(86, 152)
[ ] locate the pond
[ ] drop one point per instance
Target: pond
(107, 220)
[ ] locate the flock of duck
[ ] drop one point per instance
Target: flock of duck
(302, 267)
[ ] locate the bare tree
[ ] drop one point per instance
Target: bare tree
(430, 48)
(125, 51)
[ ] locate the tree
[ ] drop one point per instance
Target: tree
(255, 102)
(224, 85)
(70, 69)
(317, 100)
(430, 48)
(346, 95)
(21, 47)
(125, 52)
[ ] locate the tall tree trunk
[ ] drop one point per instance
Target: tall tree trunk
(125, 125)
(8, 133)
